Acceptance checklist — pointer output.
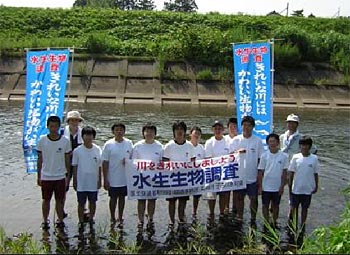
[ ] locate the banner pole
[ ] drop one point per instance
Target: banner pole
(272, 42)
(69, 82)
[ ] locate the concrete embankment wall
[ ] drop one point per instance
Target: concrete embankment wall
(125, 81)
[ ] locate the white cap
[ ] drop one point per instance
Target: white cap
(293, 117)
(74, 115)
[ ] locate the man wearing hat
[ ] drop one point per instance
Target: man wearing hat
(289, 141)
(72, 132)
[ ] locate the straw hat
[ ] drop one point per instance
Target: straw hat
(74, 115)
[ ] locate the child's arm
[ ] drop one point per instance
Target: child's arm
(105, 166)
(260, 177)
(75, 178)
(39, 166)
(68, 167)
(316, 181)
(283, 182)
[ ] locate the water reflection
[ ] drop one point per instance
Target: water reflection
(20, 207)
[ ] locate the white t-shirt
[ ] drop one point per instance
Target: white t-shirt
(199, 151)
(114, 152)
(53, 155)
(249, 160)
(143, 150)
(273, 164)
(88, 162)
(304, 169)
(215, 148)
(177, 152)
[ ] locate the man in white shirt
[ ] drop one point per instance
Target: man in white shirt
(178, 149)
(115, 152)
(250, 148)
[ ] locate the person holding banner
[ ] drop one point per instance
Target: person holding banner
(114, 155)
(232, 133)
(250, 148)
(147, 149)
(199, 152)
(53, 162)
(178, 149)
(216, 146)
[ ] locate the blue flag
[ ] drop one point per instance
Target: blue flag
(45, 91)
(252, 75)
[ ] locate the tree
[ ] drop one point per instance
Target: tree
(145, 5)
(124, 4)
(92, 3)
(298, 13)
(181, 6)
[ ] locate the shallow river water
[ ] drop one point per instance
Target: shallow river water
(20, 197)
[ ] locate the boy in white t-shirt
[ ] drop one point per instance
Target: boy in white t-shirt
(147, 149)
(53, 162)
(272, 177)
(216, 146)
(250, 148)
(86, 164)
(114, 154)
(303, 179)
(178, 149)
(199, 152)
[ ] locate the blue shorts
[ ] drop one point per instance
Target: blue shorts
(304, 200)
(269, 196)
(251, 190)
(84, 195)
(118, 191)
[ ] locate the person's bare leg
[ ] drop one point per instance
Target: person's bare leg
(141, 206)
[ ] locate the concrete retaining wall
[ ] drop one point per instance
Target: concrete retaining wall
(123, 81)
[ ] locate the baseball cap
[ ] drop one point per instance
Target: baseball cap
(293, 117)
(217, 122)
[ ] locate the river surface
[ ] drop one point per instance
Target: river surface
(20, 197)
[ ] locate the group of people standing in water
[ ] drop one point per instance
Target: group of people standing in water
(71, 153)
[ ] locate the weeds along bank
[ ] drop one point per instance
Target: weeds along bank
(198, 38)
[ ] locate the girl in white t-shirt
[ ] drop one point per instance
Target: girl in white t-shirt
(114, 155)
(87, 164)
(199, 152)
(216, 146)
(147, 149)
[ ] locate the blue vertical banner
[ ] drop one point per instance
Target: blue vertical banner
(45, 92)
(253, 88)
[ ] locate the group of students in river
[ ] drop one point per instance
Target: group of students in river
(70, 153)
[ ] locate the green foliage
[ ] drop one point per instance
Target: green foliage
(206, 74)
(174, 36)
(333, 239)
(22, 244)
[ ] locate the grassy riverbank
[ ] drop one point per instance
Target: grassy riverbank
(198, 38)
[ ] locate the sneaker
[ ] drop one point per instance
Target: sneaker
(45, 225)
(150, 224)
(120, 224)
(140, 225)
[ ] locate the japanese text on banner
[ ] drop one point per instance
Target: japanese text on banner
(147, 179)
